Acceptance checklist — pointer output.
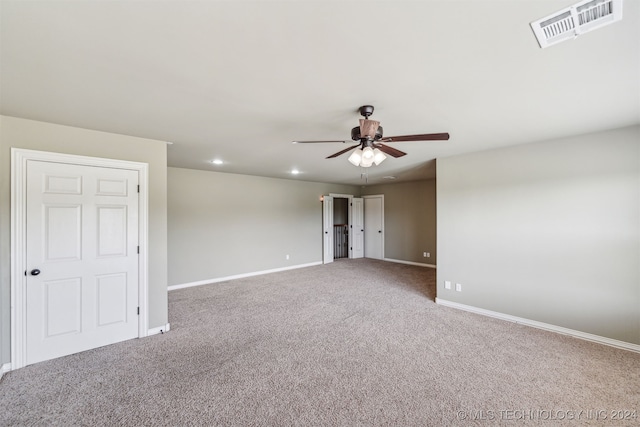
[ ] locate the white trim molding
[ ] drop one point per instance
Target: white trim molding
(540, 325)
(240, 276)
(19, 159)
(419, 264)
(159, 330)
(4, 369)
(341, 196)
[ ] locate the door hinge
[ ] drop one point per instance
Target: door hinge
(138, 249)
(25, 272)
(138, 311)
(138, 188)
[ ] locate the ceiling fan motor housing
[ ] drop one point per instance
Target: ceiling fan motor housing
(366, 111)
(355, 133)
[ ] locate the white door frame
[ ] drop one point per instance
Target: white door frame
(349, 218)
(19, 158)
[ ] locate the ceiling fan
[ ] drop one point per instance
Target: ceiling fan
(369, 138)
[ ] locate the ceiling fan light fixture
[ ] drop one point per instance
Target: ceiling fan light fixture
(356, 157)
(366, 157)
(365, 163)
(378, 156)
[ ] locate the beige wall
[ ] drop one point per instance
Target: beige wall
(42, 136)
(547, 231)
(409, 220)
(224, 224)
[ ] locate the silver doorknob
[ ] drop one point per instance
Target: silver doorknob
(35, 272)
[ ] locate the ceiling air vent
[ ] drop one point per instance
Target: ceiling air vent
(578, 19)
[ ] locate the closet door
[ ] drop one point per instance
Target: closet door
(327, 229)
(357, 228)
(374, 227)
(82, 239)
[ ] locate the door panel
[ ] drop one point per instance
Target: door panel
(112, 230)
(62, 184)
(111, 299)
(112, 187)
(62, 305)
(62, 232)
(82, 234)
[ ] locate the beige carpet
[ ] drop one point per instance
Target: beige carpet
(357, 342)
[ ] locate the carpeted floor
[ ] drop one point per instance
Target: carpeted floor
(356, 342)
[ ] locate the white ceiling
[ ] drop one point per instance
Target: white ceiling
(241, 80)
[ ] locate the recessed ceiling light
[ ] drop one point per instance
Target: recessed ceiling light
(295, 171)
(216, 161)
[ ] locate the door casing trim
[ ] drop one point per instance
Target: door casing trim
(19, 159)
(349, 198)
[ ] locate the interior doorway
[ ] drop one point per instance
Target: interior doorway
(343, 227)
(340, 227)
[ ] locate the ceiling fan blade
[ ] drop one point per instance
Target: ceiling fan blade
(319, 142)
(342, 152)
(390, 150)
(423, 137)
(368, 128)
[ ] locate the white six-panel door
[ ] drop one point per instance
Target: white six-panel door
(81, 258)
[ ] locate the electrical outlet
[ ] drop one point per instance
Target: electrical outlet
(287, 257)
(458, 287)
(424, 254)
(447, 284)
(428, 255)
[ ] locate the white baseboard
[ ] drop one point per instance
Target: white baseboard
(240, 276)
(4, 368)
(399, 261)
(540, 325)
(159, 330)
